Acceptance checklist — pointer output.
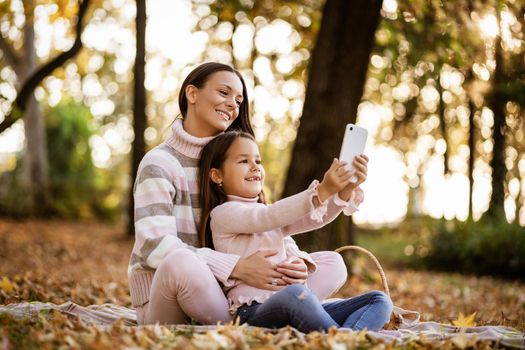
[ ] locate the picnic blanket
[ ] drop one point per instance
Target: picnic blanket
(409, 327)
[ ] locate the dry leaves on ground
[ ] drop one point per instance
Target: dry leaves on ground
(86, 263)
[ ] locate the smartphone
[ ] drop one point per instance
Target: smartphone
(354, 143)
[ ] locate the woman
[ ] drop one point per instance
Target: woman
(172, 279)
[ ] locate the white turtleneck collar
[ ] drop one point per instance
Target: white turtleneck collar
(185, 143)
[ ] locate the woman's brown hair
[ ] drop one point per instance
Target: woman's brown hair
(198, 78)
(211, 195)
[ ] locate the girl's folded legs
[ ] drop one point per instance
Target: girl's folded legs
(370, 310)
(298, 307)
(294, 305)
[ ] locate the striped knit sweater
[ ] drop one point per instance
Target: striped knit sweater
(167, 213)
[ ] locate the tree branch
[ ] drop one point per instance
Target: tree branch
(36, 78)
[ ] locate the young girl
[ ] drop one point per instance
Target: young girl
(171, 278)
(236, 220)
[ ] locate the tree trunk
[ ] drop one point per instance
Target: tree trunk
(443, 127)
(497, 163)
(472, 156)
(336, 81)
(35, 163)
(139, 106)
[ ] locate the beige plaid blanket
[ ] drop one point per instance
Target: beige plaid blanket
(408, 326)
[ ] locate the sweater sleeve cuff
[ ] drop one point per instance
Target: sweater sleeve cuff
(352, 205)
(320, 208)
(220, 264)
(293, 250)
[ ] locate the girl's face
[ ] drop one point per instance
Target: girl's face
(242, 173)
(214, 107)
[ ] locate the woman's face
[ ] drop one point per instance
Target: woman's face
(214, 107)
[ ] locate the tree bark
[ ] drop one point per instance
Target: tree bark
(139, 106)
(337, 75)
(443, 127)
(471, 157)
(497, 163)
(35, 163)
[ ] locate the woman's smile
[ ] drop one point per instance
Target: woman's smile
(224, 115)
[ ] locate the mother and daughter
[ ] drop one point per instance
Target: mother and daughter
(202, 227)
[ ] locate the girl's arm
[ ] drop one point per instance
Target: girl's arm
(239, 217)
(156, 228)
(347, 200)
(247, 217)
(328, 210)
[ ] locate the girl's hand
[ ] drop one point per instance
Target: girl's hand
(259, 272)
(335, 179)
(361, 170)
(294, 270)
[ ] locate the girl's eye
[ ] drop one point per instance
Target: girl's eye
(222, 92)
(258, 162)
(238, 103)
(244, 161)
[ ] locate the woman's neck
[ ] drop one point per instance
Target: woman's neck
(194, 128)
(186, 143)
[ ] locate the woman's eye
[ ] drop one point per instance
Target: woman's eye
(238, 103)
(222, 92)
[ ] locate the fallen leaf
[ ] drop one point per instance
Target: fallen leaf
(465, 321)
(6, 285)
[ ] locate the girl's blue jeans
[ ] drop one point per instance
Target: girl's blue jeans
(298, 307)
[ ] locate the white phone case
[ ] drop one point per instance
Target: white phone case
(354, 143)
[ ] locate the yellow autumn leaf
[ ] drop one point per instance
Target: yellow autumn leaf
(465, 321)
(6, 285)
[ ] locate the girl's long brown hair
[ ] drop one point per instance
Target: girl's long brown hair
(213, 155)
(200, 75)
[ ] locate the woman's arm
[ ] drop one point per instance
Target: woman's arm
(156, 227)
(292, 250)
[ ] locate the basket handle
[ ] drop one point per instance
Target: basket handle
(374, 259)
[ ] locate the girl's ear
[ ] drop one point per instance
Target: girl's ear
(191, 93)
(216, 175)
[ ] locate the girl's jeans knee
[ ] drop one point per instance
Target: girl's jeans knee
(294, 305)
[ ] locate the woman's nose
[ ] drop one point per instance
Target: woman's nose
(230, 102)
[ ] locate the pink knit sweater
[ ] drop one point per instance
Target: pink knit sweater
(258, 226)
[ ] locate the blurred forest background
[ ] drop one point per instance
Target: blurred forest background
(87, 86)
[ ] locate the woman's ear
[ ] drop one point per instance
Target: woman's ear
(216, 176)
(191, 93)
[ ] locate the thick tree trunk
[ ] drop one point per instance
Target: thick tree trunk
(36, 177)
(336, 81)
(497, 163)
(139, 106)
